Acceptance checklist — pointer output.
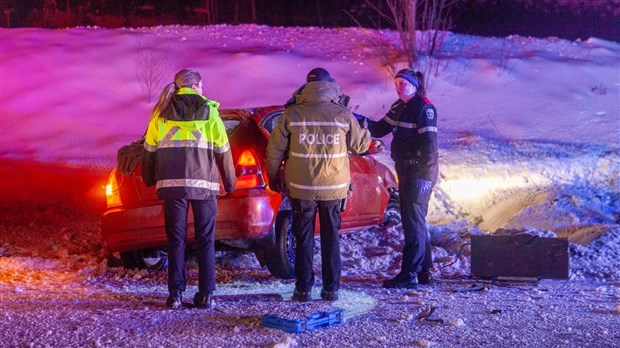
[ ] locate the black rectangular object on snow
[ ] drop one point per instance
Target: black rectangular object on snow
(520, 255)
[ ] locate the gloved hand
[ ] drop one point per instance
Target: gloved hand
(423, 186)
(363, 121)
(376, 146)
(275, 184)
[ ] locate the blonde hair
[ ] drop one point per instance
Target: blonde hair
(184, 78)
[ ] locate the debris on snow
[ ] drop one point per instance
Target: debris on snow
(287, 343)
(424, 343)
(457, 322)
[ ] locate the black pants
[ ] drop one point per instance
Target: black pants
(417, 256)
(175, 213)
(304, 217)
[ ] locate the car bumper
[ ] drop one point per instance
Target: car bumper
(241, 215)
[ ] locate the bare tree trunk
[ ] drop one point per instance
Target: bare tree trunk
(211, 15)
(253, 10)
(236, 12)
(411, 12)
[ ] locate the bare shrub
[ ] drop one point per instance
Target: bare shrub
(421, 26)
(599, 89)
(152, 64)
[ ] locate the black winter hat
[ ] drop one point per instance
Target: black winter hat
(319, 74)
(409, 75)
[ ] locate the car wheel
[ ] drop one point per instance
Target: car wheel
(392, 212)
(152, 259)
(280, 258)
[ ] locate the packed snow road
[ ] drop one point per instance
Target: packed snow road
(45, 304)
(56, 290)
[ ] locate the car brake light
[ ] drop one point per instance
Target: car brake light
(112, 194)
(248, 171)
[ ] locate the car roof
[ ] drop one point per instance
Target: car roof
(262, 115)
(255, 113)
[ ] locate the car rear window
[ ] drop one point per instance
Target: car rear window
(270, 121)
(231, 124)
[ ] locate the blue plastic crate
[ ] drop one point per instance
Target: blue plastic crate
(288, 325)
(325, 319)
(313, 321)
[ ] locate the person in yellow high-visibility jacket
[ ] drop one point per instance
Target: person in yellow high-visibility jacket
(185, 145)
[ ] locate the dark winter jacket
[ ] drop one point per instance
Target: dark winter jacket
(315, 135)
(414, 144)
(185, 146)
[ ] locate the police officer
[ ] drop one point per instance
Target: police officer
(185, 145)
(314, 134)
(413, 121)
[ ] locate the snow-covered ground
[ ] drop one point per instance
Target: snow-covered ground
(529, 139)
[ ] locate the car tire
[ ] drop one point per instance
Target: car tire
(151, 259)
(280, 258)
(392, 213)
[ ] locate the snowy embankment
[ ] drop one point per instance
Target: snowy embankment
(544, 188)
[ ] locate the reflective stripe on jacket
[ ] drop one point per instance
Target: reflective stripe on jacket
(414, 126)
(182, 157)
(315, 135)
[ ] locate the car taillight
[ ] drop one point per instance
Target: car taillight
(112, 194)
(248, 171)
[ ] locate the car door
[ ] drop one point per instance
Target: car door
(368, 197)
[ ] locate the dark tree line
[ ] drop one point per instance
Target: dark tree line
(478, 17)
(329, 13)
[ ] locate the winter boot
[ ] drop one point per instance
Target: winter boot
(175, 299)
(425, 278)
(203, 300)
(329, 295)
(301, 296)
(401, 282)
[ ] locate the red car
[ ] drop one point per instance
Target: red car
(251, 218)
